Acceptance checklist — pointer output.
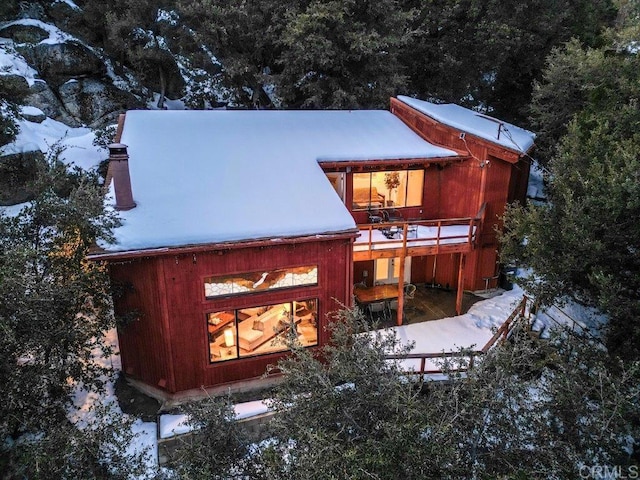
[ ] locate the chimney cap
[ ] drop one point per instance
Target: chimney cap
(117, 148)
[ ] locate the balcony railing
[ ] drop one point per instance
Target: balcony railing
(419, 237)
(446, 363)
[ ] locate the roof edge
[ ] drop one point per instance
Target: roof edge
(100, 254)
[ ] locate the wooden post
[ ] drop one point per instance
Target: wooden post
(403, 256)
(460, 285)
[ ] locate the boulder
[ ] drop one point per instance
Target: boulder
(56, 63)
(24, 33)
(41, 96)
(17, 172)
(32, 114)
(94, 102)
(13, 86)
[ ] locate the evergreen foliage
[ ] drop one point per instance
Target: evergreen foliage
(346, 412)
(528, 409)
(485, 54)
(242, 35)
(54, 308)
(584, 243)
(343, 54)
(220, 450)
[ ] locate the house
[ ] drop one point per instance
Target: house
(241, 228)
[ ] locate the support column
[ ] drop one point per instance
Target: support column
(460, 284)
(403, 256)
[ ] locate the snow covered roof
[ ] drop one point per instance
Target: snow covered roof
(483, 126)
(202, 177)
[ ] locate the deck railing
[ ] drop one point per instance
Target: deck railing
(466, 359)
(434, 233)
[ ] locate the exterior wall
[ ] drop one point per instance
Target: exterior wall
(358, 272)
(153, 347)
(460, 189)
(452, 190)
(144, 344)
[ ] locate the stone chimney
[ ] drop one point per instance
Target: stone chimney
(119, 169)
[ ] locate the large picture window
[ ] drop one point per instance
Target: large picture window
(393, 188)
(258, 281)
(260, 330)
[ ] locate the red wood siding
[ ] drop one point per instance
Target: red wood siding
(181, 277)
(496, 196)
(519, 181)
(458, 190)
(358, 272)
(144, 349)
(447, 136)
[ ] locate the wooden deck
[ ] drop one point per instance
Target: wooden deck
(412, 238)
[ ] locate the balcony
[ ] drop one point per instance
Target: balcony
(417, 237)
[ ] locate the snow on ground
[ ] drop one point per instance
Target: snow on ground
(471, 330)
(78, 142)
(85, 403)
(12, 62)
(55, 34)
(535, 188)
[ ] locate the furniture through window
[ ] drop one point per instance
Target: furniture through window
(393, 188)
(260, 330)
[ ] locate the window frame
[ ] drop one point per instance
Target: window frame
(258, 278)
(371, 205)
(233, 352)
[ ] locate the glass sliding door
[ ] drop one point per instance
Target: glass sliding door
(392, 188)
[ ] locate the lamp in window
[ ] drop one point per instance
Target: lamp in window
(229, 340)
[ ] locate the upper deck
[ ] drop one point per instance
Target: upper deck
(417, 237)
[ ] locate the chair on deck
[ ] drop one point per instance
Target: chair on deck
(393, 215)
(373, 218)
(377, 310)
(410, 290)
(392, 305)
(391, 232)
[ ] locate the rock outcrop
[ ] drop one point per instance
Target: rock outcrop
(73, 85)
(95, 102)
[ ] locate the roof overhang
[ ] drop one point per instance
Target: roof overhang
(99, 254)
(385, 164)
(434, 130)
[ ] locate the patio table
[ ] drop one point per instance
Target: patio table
(376, 293)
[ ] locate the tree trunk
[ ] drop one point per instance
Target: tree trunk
(163, 87)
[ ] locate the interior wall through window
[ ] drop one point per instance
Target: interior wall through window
(392, 188)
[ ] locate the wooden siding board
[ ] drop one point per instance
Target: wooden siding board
(496, 196)
(460, 187)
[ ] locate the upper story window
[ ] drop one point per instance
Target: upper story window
(392, 188)
(240, 283)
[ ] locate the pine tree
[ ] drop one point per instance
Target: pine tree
(584, 244)
(242, 35)
(343, 53)
(486, 54)
(54, 309)
(529, 408)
